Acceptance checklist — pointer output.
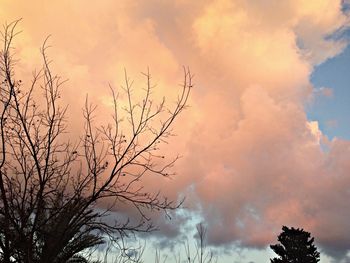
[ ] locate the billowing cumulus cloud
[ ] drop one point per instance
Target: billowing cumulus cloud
(252, 161)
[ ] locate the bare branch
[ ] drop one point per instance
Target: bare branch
(53, 193)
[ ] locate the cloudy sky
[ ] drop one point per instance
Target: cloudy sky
(266, 141)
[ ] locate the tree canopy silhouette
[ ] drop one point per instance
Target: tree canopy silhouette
(296, 246)
(50, 188)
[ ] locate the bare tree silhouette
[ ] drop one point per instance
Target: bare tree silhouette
(50, 187)
(200, 253)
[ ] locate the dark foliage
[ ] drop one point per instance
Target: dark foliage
(296, 246)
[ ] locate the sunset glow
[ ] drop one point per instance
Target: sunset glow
(258, 144)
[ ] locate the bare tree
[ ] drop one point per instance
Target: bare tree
(50, 188)
(201, 253)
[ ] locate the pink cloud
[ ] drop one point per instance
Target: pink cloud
(252, 159)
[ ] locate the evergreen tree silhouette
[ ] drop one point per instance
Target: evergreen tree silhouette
(296, 246)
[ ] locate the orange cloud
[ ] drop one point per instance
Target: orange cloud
(251, 158)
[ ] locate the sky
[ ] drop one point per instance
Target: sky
(265, 141)
(332, 112)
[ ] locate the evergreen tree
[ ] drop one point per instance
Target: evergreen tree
(296, 246)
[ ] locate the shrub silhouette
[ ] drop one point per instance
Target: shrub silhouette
(296, 245)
